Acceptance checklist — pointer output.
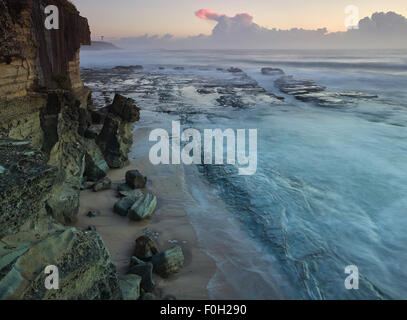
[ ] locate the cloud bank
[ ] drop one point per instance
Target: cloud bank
(381, 30)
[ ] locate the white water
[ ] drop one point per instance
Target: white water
(331, 185)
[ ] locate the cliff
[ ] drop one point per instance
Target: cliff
(50, 146)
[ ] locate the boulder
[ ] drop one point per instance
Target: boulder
(95, 164)
(143, 208)
(123, 187)
(103, 184)
(146, 247)
(132, 194)
(135, 179)
(125, 108)
(234, 70)
(145, 271)
(130, 286)
(115, 141)
(168, 262)
(123, 206)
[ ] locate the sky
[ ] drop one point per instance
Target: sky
(130, 18)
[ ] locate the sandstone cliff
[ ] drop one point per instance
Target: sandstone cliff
(49, 146)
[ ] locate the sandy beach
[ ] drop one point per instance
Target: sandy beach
(170, 224)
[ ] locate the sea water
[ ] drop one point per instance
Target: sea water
(331, 185)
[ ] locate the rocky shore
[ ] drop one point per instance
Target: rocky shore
(58, 151)
(52, 141)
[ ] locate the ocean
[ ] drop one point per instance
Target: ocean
(331, 184)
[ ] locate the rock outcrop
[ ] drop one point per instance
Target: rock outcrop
(50, 146)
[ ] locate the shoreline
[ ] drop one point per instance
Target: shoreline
(170, 224)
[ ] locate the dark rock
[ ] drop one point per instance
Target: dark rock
(95, 164)
(234, 70)
(146, 247)
(103, 184)
(115, 141)
(161, 68)
(145, 271)
(130, 286)
(91, 228)
(137, 67)
(93, 214)
(204, 91)
(168, 262)
(169, 298)
(179, 68)
(143, 208)
(123, 206)
(123, 187)
(272, 71)
(98, 116)
(132, 194)
(135, 179)
(289, 85)
(125, 108)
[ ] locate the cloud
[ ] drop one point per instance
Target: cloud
(207, 14)
(382, 30)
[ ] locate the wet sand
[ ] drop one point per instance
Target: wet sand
(170, 223)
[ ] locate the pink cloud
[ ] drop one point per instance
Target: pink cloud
(207, 14)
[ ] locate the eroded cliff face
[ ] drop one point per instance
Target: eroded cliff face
(49, 146)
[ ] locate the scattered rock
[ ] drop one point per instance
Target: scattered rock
(103, 184)
(168, 262)
(234, 70)
(272, 71)
(146, 247)
(145, 271)
(130, 286)
(132, 194)
(143, 208)
(135, 179)
(93, 214)
(123, 206)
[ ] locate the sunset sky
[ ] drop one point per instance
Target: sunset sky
(127, 18)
